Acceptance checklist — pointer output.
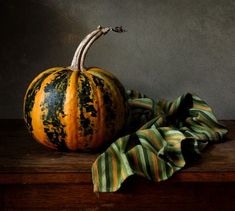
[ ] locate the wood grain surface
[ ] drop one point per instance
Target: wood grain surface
(34, 177)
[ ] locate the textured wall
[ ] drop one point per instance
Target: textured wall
(171, 47)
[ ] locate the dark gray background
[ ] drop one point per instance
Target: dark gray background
(171, 47)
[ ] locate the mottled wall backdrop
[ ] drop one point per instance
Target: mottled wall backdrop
(171, 47)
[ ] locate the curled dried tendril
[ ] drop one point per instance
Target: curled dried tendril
(118, 29)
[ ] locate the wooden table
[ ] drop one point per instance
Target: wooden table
(34, 177)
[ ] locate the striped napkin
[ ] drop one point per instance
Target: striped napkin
(161, 137)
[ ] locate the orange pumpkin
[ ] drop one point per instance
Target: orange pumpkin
(75, 107)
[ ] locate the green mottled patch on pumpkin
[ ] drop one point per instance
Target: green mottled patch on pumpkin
(30, 98)
(86, 104)
(108, 103)
(55, 94)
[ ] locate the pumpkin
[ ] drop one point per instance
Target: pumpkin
(75, 107)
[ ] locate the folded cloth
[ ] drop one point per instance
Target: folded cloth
(162, 136)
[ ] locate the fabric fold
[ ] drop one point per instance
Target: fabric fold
(161, 136)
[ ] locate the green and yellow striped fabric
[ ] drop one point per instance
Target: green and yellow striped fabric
(160, 137)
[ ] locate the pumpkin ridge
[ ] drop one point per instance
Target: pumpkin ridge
(55, 93)
(30, 97)
(101, 126)
(37, 113)
(70, 110)
(87, 111)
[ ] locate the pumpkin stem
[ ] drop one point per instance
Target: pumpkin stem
(80, 54)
